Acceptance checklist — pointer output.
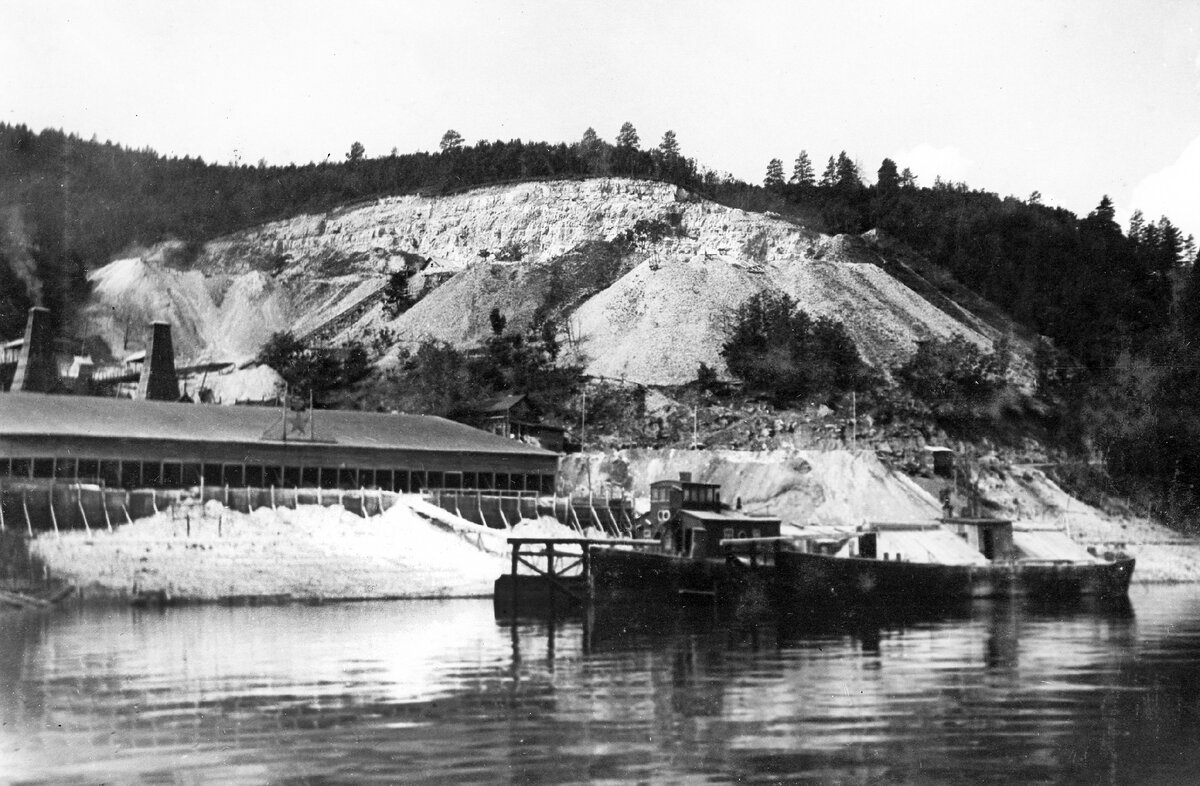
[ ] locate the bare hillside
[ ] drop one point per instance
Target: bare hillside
(638, 276)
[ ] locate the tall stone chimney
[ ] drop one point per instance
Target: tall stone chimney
(37, 369)
(158, 381)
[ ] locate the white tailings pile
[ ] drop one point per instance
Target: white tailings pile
(310, 552)
(1027, 496)
(662, 315)
(838, 488)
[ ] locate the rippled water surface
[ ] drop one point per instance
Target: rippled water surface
(439, 691)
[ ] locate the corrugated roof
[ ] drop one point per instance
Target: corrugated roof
(32, 414)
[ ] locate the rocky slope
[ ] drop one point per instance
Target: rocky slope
(639, 276)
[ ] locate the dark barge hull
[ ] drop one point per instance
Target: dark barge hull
(640, 577)
(806, 578)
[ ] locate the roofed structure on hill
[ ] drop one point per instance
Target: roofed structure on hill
(515, 416)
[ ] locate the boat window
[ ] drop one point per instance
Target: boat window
(452, 480)
(470, 480)
(20, 467)
(487, 481)
(867, 545)
(383, 479)
(417, 480)
(727, 533)
(347, 478)
(366, 478)
(434, 479)
(310, 477)
(756, 532)
(5, 467)
(547, 486)
(400, 481)
(43, 468)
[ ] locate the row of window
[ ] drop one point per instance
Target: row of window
(691, 493)
(182, 474)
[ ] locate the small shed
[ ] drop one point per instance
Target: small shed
(515, 416)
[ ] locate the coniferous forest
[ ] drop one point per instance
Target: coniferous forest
(1117, 308)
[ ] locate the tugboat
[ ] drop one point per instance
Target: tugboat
(696, 548)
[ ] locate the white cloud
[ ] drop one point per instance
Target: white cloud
(928, 162)
(1173, 192)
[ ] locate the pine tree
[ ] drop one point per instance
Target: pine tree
(889, 178)
(802, 171)
(451, 140)
(669, 147)
(829, 176)
(627, 138)
(908, 179)
(847, 172)
(774, 178)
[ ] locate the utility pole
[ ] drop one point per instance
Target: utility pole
(854, 420)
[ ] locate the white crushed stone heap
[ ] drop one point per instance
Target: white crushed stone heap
(654, 324)
(834, 488)
(309, 552)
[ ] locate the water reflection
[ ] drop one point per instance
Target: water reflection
(441, 692)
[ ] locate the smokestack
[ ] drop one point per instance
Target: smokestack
(686, 477)
(158, 381)
(37, 370)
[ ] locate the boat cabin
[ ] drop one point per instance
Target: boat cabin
(691, 521)
(991, 537)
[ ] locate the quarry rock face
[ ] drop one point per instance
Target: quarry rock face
(639, 277)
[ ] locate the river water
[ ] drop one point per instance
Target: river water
(439, 691)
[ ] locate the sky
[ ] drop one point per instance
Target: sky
(1072, 99)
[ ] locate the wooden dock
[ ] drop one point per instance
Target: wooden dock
(557, 577)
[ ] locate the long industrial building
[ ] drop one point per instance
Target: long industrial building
(124, 443)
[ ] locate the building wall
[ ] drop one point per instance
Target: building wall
(177, 463)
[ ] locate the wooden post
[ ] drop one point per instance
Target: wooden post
(550, 573)
(2, 526)
(104, 507)
(587, 568)
(53, 515)
(516, 555)
(82, 512)
(28, 521)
